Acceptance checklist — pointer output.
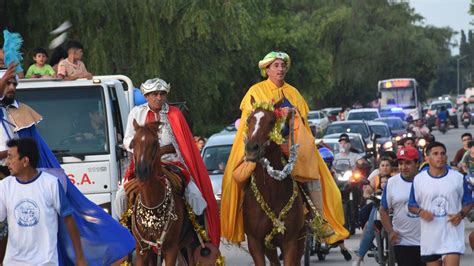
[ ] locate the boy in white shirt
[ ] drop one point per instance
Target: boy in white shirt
(32, 203)
(441, 197)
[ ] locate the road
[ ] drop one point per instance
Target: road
(452, 140)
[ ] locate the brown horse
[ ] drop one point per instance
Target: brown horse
(275, 193)
(159, 213)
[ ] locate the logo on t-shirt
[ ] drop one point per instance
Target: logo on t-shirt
(440, 207)
(27, 213)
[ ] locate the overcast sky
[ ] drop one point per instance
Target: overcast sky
(452, 13)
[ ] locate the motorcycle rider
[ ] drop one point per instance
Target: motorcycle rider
(404, 229)
(345, 151)
(376, 184)
(443, 116)
(465, 138)
(419, 129)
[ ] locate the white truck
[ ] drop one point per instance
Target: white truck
(83, 124)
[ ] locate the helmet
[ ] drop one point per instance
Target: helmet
(153, 85)
(327, 155)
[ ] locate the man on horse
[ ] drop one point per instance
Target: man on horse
(178, 148)
(323, 191)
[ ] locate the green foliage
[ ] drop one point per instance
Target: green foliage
(209, 49)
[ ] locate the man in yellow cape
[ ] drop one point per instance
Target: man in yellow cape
(275, 65)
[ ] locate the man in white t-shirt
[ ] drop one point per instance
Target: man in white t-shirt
(32, 202)
(404, 229)
(441, 197)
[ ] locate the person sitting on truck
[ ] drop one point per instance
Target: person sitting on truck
(72, 67)
(40, 69)
(177, 147)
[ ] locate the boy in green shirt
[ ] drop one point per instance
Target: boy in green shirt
(40, 69)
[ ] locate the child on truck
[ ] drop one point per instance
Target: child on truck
(72, 67)
(40, 69)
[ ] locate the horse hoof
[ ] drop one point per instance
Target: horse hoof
(205, 251)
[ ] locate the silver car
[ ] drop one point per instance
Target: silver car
(215, 155)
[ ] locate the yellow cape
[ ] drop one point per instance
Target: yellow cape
(232, 227)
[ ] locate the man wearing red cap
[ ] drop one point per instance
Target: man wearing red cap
(404, 230)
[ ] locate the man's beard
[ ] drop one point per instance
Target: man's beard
(7, 100)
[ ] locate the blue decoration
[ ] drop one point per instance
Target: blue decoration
(11, 49)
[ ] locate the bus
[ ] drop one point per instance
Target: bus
(399, 97)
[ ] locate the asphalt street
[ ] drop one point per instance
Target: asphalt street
(452, 139)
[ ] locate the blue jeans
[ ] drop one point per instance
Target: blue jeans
(368, 234)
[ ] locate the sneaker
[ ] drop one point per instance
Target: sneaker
(347, 255)
(356, 262)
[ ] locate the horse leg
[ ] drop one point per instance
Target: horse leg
(272, 256)
(171, 256)
(291, 254)
(257, 251)
(139, 259)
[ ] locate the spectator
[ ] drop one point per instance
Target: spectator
(466, 138)
(441, 197)
(32, 202)
(40, 69)
(409, 142)
(467, 162)
(72, 67)
(59, 54)
(200, 143)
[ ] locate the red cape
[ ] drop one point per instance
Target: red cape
(192, 158)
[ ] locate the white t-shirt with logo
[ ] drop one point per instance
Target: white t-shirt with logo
(406, 224)
(443, 196)
(32, 211)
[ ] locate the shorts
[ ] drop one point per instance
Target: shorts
(435, 257)
(408, 255)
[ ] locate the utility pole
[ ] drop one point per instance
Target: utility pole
(459, 59)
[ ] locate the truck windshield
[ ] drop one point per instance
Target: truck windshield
(74, 118)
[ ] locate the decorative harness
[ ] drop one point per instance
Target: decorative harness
(154, 219)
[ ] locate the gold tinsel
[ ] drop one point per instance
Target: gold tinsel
(278, 224)
(200, 230)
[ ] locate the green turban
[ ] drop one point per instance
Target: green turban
(269, 58)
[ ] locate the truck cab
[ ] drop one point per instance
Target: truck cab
(83, 124)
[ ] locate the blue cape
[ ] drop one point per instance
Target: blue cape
(103, 239)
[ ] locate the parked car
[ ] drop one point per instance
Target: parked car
(318, 122)
(332, 113)
(357, 142)
(215, 155)
(363, 114)
(397, 126)
(355, 126)
(436, 106)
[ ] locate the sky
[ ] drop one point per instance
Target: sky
(441, 13)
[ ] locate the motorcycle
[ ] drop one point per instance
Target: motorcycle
(466, 119)
(384, 253)
(350, 184)
(442, 126)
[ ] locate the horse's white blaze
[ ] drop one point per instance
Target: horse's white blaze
(143, 138)
(258, 116)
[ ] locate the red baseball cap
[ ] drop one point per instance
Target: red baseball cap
(407, 153)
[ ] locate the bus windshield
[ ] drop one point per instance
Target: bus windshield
(74, 119)
(398, 97)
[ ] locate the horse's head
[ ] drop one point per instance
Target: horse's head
(261, 126)
(146, 149)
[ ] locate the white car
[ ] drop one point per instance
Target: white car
(318, 122)
(363, 114)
